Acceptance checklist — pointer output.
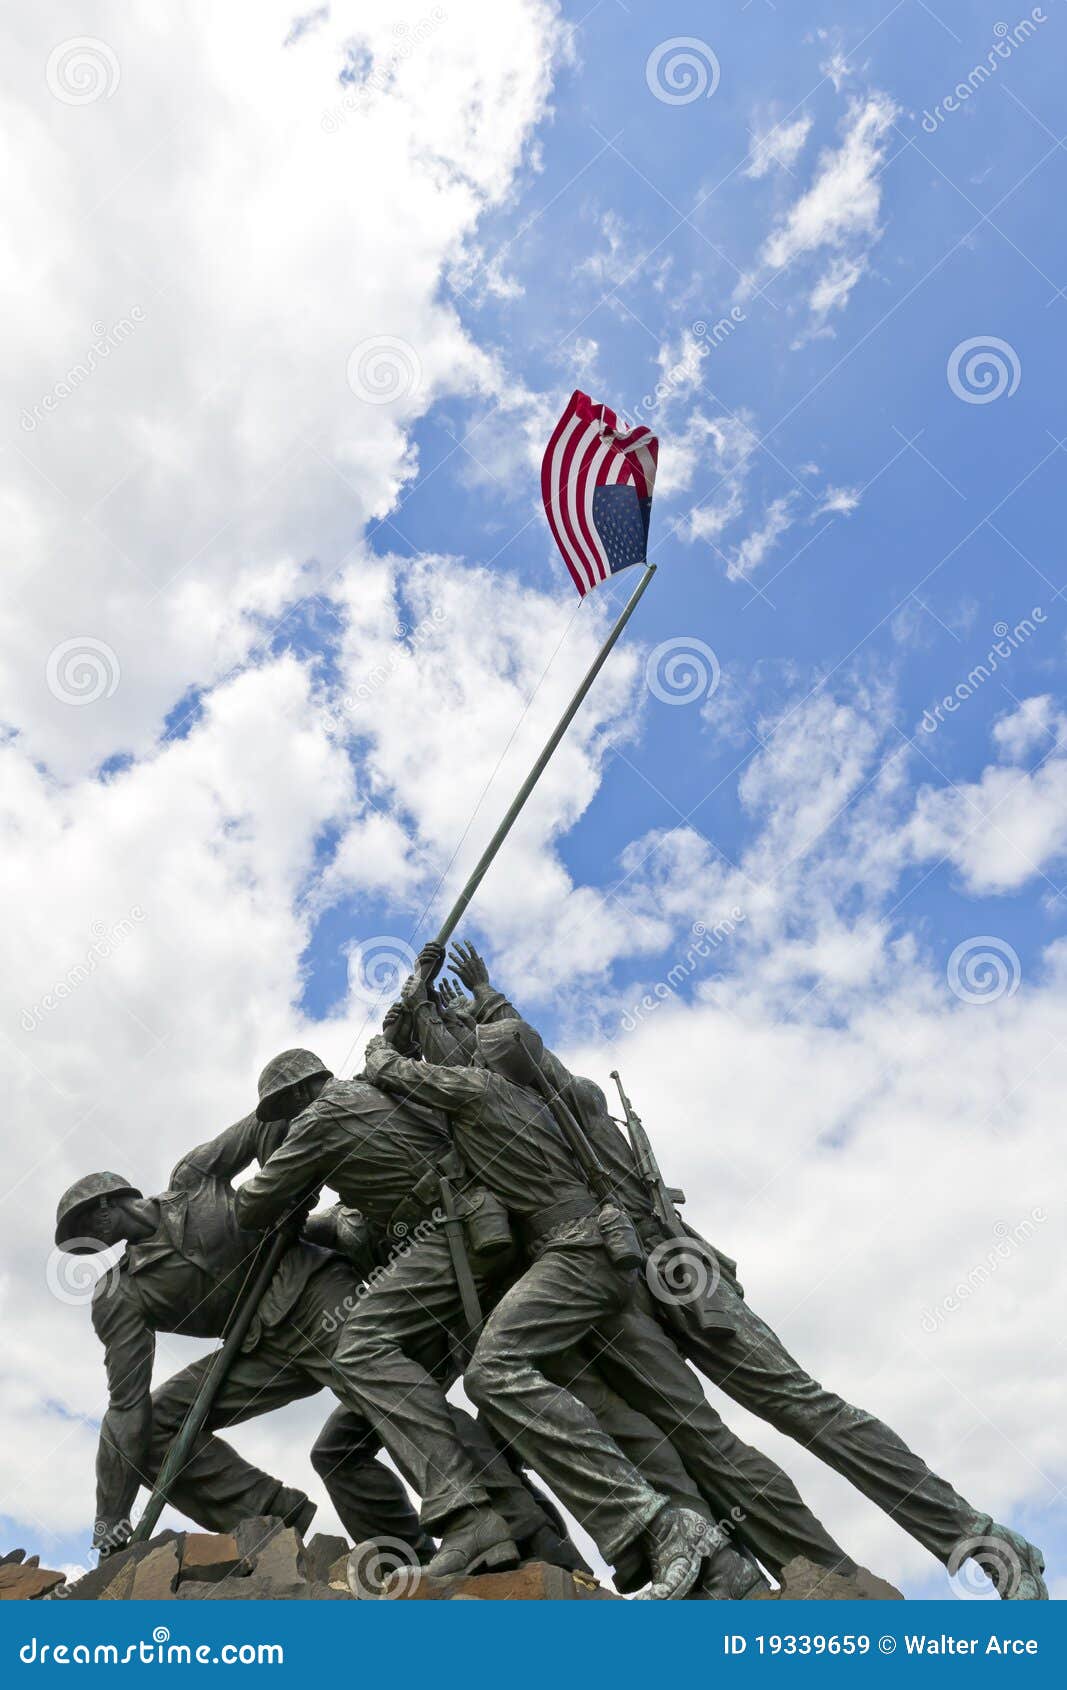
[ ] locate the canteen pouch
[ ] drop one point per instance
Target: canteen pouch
(488, 1224)
(619, 1237)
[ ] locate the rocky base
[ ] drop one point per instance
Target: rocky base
(803, 1581)
(263, 1560)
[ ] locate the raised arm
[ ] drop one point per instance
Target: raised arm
(230, 1152)
(124, 1451)
(491, 1005)
(470, 967)
(290, 1177)
(442, 1087)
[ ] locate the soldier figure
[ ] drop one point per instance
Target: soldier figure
(186, 1262)
(755, 1368)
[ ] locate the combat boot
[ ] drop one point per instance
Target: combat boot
(295, 1509)
(546, 1544)
(478, 1542)
(679, 1542)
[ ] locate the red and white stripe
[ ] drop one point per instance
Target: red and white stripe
(587, 451)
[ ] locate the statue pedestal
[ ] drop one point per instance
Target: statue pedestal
(534, 1582)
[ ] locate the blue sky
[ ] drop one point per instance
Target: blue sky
(954, 534)
(325, 635)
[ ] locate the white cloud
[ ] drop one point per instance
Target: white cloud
(837, 218)
(253, 223)
(839, 501)
(844, 200)
(753, 550)
(833, 289)
(862, 1140)
(1002, 830)
(848, 1094)
(615, 259)
(1032, 724)
(779, 145)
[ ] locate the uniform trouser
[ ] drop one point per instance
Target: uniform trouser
(392, 1368)
(756, 1369)
(640, 1359)
(655, 1457)
(289, 1362)
(556, 1304)
(343, 1456)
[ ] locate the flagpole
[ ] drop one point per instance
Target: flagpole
(478, 873)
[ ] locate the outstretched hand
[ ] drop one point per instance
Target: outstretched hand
(468, 965)
(452, 998)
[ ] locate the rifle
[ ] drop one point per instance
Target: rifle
(461, 1267)
(271, 1250)
(664, 1199)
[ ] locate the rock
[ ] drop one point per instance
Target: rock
(26, 1584)
(121, 1583)
(321, 1553)
(93, 1584)
(254, 1538)
(337, 1577)
(155, 1579)
(803, 1581)
(281, 1559)
(11, 1556)
(208, 1557)
(536, 1581)
(263, 1590)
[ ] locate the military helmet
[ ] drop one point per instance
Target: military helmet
(77, 1198)
(284, 1071)
(511, 1048)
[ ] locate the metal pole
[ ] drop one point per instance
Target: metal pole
(455, 914)
(181, 1449)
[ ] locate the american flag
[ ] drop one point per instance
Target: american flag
(596, 482)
